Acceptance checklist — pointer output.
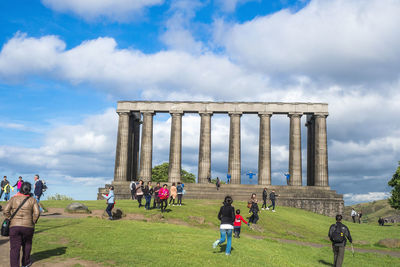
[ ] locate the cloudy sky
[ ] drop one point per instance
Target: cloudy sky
(65, 64)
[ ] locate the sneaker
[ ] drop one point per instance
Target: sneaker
(267, 208)
(215, 244)
(273, 210)
(173, 205)
(262, 208)
(111, 218)
(227, 254)
(30, 264)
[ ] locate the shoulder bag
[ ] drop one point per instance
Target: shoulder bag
(5, 226)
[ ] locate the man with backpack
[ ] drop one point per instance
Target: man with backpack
(339, 234)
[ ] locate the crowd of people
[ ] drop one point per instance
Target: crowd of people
(23, 211)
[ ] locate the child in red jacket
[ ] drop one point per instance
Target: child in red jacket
(238, 223)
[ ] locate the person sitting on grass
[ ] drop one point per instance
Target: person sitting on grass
(227, 217)
(163, 194)
(110, 202)
(254, 213)
(238, 223)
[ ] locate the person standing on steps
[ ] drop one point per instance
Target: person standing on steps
(173, 191)
(110, 202)
(264, 196)
(217, 183)
(139, 192)
(353, 215)
(272, 197)
(227, 217)
(228, 178)
(156, 197)
(163, 194)
(339, 234)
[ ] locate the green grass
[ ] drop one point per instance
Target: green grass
(372, 211)
(133, 243)
(286, 223)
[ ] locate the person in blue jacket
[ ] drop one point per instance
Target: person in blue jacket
(110, 202)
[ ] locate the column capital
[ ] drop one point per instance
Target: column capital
(176, 112)
(264, 114)
(123, 112)
(210, 113)
(147, 112)
(295, 114)
(321, 114)
(235, 113)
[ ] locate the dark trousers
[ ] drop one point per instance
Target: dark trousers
(236, 231)
(148, 201)
(254, 218)
(156, 202)
(180, 199)
(273, 204)
(139, 200)
(1, 192)
(164, 204)
(20, 236)
(110, 206)
(338, 255)
(172, 199)
(264, 205)
(133, 193)
(354, 218)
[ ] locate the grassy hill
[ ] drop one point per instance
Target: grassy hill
(185, 235)
(372, 210)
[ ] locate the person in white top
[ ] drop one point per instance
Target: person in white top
(353, 215)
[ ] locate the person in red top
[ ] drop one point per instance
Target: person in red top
(237, 224)
(163, 194)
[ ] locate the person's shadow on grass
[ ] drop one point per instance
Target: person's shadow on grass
(37, 256)
(325, 263)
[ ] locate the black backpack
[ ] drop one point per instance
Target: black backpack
(338, 234)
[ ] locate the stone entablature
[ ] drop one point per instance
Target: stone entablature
(223, 107)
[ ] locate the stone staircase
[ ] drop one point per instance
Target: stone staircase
(320, 200)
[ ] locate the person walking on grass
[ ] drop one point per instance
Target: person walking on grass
(238, 223)
(7, 189)
(173, 192)
(18, 184)
(359, 216)
(3, 184)
(22, 226)
(264, 196)
(179, 190)
(38, 190)
(163, 194)
(353, 215)
(272, 197)
(227, 217)
(254, 213)
(338, 234)
(156, 197)
(148, 191)
(110, 202)
(253, 199)
(139, 192)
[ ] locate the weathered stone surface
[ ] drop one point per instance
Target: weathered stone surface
(390, 242)
(116, 214)
(77, 207)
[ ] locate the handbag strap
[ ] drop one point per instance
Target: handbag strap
(20, 205)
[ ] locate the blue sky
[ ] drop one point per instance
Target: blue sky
(65, 64)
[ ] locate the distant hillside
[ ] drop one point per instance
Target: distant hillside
(372, 211)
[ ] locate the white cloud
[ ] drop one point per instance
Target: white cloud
(341, 40)
(116, 10)
(359, 198)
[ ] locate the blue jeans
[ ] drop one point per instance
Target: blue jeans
(148, 200)
(6, 196)
(38, 200)
(109, 208)
(226, 234)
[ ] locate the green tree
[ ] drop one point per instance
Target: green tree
(160, 174)
(394, 200)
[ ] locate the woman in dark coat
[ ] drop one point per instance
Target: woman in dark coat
(227, 217)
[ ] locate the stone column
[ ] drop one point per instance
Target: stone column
(295, 149)
(146, 150)
(133, 154)
(321, 151)
(121, 157)
(175, 151)
(234, 148)
(204, 170)
(310, 150)
(264, 146)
